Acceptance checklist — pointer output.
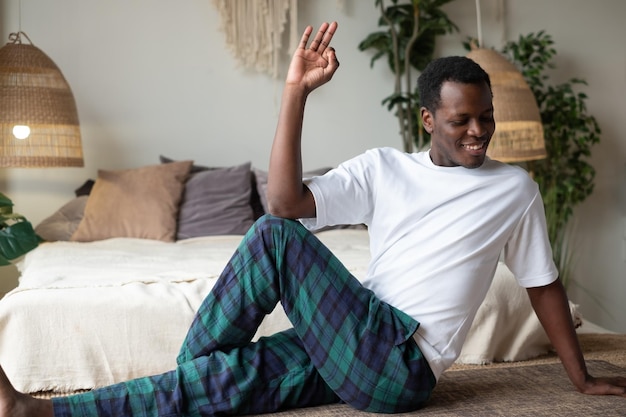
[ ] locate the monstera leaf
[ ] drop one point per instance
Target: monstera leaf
(17, 235)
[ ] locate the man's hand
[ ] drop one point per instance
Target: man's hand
(605, 386)
(313, 66)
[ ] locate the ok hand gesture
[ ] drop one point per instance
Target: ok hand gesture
(313, 66)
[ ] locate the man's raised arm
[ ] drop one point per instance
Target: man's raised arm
(310, 68)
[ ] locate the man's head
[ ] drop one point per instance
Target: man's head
(457, 111)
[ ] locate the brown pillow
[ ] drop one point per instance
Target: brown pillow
(141, 203)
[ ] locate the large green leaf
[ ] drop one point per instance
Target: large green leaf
(16, 240)
(17, 235)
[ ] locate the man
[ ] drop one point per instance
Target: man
(438, 222)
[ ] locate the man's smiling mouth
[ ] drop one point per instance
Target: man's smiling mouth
(474, 146)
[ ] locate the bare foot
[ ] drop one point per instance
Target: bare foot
(16, 404)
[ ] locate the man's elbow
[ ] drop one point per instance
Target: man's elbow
(291, 209)
(281, 211)
(285, 211)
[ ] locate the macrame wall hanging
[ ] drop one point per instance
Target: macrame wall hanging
(254, 30)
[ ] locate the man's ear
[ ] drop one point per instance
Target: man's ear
(427, 119)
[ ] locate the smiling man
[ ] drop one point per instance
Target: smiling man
(438, 220)
(458, 113)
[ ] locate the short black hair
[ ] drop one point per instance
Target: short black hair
(453, 68)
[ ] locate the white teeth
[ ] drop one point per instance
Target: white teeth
(473, 147)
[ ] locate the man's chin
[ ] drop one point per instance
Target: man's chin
(474, 163)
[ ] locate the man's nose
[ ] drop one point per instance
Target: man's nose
(476, 128)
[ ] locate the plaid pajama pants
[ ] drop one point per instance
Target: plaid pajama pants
(345, 344)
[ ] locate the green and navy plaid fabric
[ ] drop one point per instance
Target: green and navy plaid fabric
(345, 345)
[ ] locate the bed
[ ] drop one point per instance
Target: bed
(110, 294)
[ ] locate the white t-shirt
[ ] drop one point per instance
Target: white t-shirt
(436, 234)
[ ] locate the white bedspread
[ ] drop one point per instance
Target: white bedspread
(122, 261)
(90, 314)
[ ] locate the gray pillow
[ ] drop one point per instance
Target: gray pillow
(216, 202)
(63, 222)
(255, 201)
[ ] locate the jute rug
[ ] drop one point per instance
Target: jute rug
(532, 390)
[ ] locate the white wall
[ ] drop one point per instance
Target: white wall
(153, 77)
(589, 42)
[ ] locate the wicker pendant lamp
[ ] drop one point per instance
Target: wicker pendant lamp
(38, 118)
(519, 132)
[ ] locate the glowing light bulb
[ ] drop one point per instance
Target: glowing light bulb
(21, 131)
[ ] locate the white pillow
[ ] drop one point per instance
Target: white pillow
(506, 328)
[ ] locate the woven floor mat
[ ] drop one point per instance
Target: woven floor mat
(535, 390)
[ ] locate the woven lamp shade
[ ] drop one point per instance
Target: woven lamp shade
(34, 93)
(519, 132)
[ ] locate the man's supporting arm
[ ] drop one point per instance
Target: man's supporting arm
(552, 307)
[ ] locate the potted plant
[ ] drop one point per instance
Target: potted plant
(17, 235)
(408, 42)
(565, 177)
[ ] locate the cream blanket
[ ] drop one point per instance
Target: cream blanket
(91, 314)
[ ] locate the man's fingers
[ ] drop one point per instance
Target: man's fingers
(325, 36)
(616, 390)
(319, 36)
(609, 386)
(305, 37)
(322, 38)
